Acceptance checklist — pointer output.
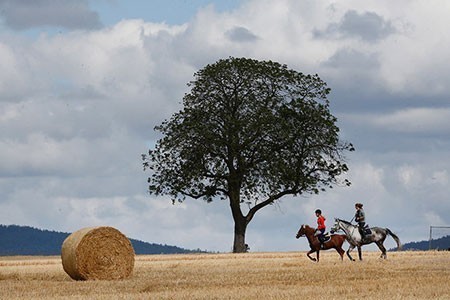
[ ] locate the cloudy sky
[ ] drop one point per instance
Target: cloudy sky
(83, 83)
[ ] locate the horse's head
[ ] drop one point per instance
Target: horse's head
(301, 232)
(336, 225)
(340, 224)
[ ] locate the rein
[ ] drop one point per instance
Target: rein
(346, 229)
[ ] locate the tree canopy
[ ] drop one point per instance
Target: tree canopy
(251, 132)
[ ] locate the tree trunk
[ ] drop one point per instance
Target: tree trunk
(240, 221)
(239, 245)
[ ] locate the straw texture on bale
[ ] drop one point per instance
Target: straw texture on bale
(101, 253)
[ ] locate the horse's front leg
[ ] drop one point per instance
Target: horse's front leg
(350, 250)
(308, 254)
(359, 253)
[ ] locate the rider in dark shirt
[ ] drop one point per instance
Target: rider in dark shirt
(360, 217)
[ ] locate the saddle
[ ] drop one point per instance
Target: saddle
(325, 238)
(367, 230)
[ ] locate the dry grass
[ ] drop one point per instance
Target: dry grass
(404, 275)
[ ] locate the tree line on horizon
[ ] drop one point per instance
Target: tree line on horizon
(26, 240)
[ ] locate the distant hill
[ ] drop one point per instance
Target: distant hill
(25, 240)
(442, 243)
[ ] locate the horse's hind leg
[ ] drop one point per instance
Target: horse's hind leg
(382, 249)
(359, 253)
(348, 252)
(341, 252)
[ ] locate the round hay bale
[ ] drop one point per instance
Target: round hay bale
(102, 253)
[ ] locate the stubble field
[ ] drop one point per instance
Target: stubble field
(290, 275)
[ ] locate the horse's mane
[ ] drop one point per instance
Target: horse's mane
(306, 226)
(346, 222)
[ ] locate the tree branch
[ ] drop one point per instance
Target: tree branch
(268, 201)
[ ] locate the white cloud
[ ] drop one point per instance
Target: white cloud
(408, 176)
(412, 60)
(416, 120)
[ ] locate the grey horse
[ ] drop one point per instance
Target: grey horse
(377, 236)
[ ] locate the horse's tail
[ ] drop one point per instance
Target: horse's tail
(396, 239)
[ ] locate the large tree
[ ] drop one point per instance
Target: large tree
(249, 132)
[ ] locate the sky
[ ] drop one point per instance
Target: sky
(83, 84)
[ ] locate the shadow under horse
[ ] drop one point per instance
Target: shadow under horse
(377, 235)
(335, 242)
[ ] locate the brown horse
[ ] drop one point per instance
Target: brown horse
(335, 242)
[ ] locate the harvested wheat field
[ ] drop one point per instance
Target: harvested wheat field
(291, 275)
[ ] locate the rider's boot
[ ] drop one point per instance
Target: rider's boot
(363, 234)
(321, 240)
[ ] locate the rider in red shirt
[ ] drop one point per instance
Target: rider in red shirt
(320, 226)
